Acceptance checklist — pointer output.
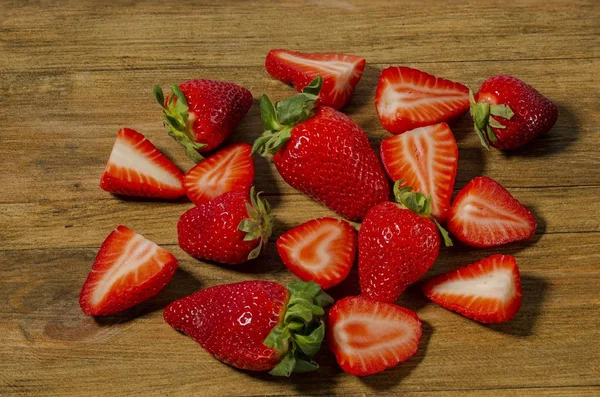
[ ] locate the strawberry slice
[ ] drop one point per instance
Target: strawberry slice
(367, 337)
(484, 214)
(425, 158)
(321, 250)
(227, 170)
(340, 73)
(137, 168)
(488, 291)
(409, 98)
(128, 270)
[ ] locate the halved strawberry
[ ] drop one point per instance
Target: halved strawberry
(408, 98)
(128, 270)
(425, 158)
(340, 73)
(367, 337)
(484, 214)
(321, 250)
(488, 291)
(137, 168)
(227, 170)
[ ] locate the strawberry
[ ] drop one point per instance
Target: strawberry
(322, 153)
(509, 113)
(409, 98)
(255, 325)
(488, 291)
(368, 337)
(136, 168)
(340, 73)
(397, 244)
(227, 170)
(321, 250)
(129, 269)
(425, 158)
(484, 214)
(200, 114)
(231, 228)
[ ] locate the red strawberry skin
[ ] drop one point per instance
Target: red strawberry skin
(534, 114)
(232, 321)
(137, 168)
(484, 214)
(210, 231)
(498, 276)
(216, 108)
(329, 158)
(128, 270)
(396, 247)
(340, 73)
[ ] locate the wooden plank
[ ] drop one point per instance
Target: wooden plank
(47, 338)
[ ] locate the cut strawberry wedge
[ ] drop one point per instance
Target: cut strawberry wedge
(484, 214)
(137, 168)
(409, 98)
(340, 73)
(367, 337)
(227, 170)
(426, 159)
(488, 291)
(128, 270)
(321, 250)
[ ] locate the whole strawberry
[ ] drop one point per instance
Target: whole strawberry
(509, 113)
(255, 325)
(322, 153)
(200, 114)
(397, 244)
(231, 228)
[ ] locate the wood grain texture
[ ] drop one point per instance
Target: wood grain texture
(73, 72)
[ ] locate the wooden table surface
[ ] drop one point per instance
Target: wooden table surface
(73, 73)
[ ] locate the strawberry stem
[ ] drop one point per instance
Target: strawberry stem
(482, 113)
(259, 223)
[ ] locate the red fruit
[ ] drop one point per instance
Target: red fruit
(231, 228)
(425, 158)
(322, 153)
(368, 337)
(129, 269)
(136, 168)
(488, 291)
(340, 73)
(397, 245)
(409, 98)
(227, 170)
(509, 113)
(200, 114)
(484, 214)
(255, 325)
(321, 250)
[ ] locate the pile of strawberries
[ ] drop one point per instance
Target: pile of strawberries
(262, 325)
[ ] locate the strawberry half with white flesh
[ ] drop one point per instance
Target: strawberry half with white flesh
(128, 270)
(484, 214)
(137, 168)
(256, 325)
(321, 250)
(408, 98)
(340, 73)
(488, 291)
(368, 337)
(426, 158)
(227, 170)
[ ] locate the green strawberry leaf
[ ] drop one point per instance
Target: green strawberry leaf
(159, 95)
(268, 115)
(311, 343)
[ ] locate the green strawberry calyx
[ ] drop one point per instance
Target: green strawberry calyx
(279, 119)
(259, 224)
(419, 204)
(482, 113)
(176, 117)
(302, 329)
